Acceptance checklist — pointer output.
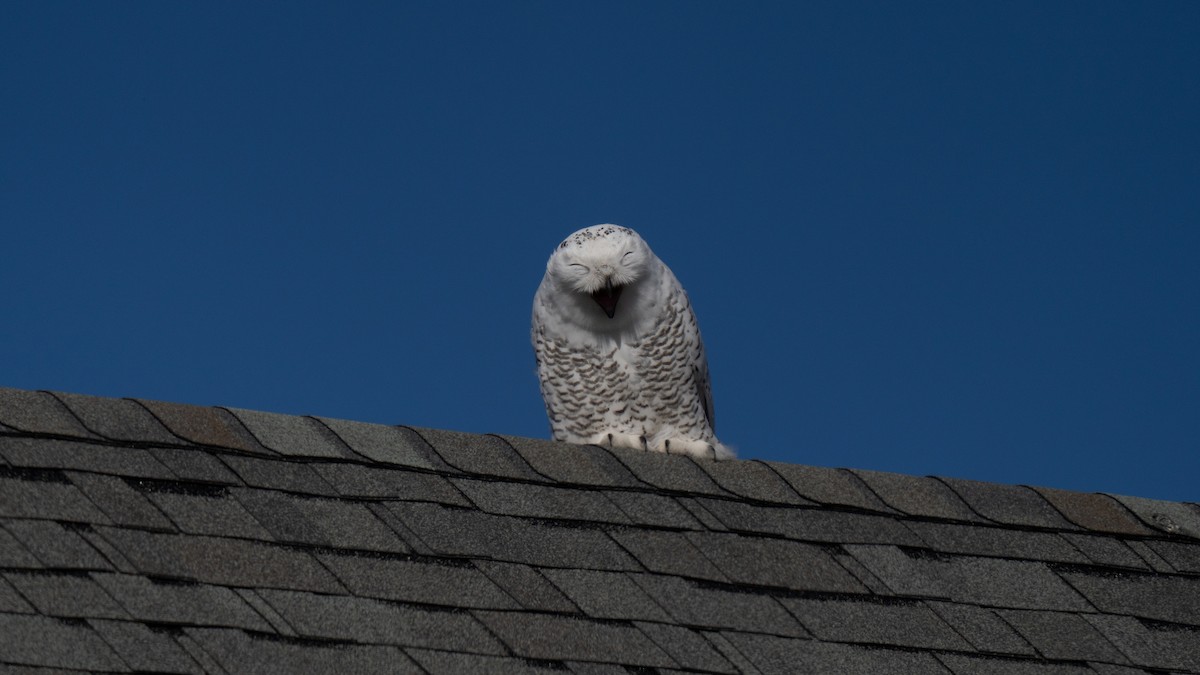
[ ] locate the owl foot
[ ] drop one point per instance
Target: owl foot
(611, 440)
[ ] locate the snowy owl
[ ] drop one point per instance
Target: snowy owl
(618, 352)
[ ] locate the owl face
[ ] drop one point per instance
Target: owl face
(600, 261)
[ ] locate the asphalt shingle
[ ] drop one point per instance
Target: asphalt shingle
(1008, 504)
(237, 651)
(117, 419)
(540, 501)
(718, 607)
(370, 621)
(279, 475)
(435, 582)
(204, 426)
(55, 546)
(65, 595)
(464, 532)
(901, 623)
(222, 561)
(53, 453)
(166, 538)
(33, 640)
(1166, 598)
(918, 496)
(835, 487)
(145, 649)
(543, 636)
(1063, 636)
(122, 504)
(573, 464)
(291, 436)
(387, 445)
(606, 595)
(783, 563)
(38, 412)
(184, 603)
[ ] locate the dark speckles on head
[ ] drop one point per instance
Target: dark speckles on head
(593, 233)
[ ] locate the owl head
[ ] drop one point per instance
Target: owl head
(603, 262)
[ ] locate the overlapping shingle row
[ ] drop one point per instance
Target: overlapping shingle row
(146, 536)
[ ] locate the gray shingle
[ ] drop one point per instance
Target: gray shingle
(702, 605)
(218, 560)
(1062, 636)
(216, 514)
(377, 622)
(1008, 583)
(1166, 598)
(606, 595)
(837, 487)
(1150, 557)
(689, 648)
(13, 553)
(1094, 511)
(1106, 550)
(818, 525)
(65, 595)
(449, 663)
(122, 504)
(648, 508)
(189, 465)
(753, 480)
(1170, 517)
(1183, 556)
(278, 475)
(483, 455)
(38, 412)
(1162, 646)
(543, 636)
(527, 586)
(540, 501)
(11, 602)
(118, 419)
(983, 628)
(318, 521)
(239, 652)
(573, 464)
(903, 573)
(896, 623)
(386, 444)
(53, 453)
(775, 562)
(291, 436)
(374, 482)
(778, 656)
(205, 426)
(143, 648)
(668, 472)
(55, 643)
(268, 613)
(996, 541)
(668, 553)
(55, 546)
(465, 532)
(1009, 504)
(918, 496)
(965, 664)
(189, 604)
(457, 584)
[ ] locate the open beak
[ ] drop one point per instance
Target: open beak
(607, 297)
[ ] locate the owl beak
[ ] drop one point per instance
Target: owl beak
(607, 297)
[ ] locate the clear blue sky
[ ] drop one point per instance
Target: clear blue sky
(954, 238)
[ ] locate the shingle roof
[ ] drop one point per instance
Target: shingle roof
(146, 536)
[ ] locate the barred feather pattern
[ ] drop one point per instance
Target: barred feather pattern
(641, 382)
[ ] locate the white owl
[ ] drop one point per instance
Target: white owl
(618, 351)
